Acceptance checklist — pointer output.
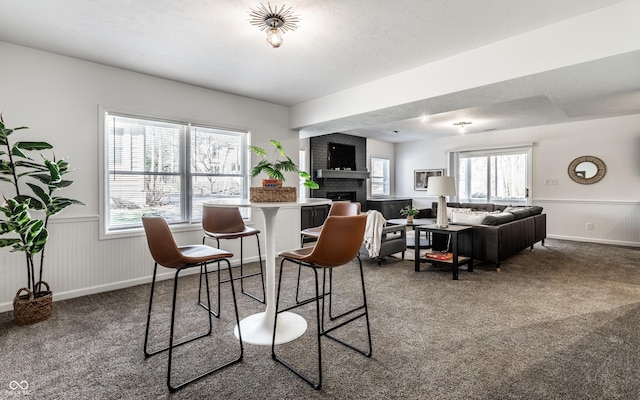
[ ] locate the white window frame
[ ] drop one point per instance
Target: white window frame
(385, 178)
(454, 165)
(187, 222)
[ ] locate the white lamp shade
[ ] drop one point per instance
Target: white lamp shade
(441, 186)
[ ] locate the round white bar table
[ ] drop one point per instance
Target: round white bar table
(258, 328)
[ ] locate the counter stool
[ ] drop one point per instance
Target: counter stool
(338, 208)
(226, 223)
(166, 253)
(338, 244)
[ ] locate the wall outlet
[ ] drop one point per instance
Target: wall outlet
(589, 226)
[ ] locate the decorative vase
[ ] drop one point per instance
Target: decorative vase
(410, 219)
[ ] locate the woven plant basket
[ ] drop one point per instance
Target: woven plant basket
(273, 194)
(28, 309)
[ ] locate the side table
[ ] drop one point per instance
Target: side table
(453, 231)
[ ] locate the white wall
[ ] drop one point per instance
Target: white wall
(58, 98)
(612, 205)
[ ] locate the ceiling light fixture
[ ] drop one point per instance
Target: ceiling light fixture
(424, 119)
(275, 21)
(462, 126)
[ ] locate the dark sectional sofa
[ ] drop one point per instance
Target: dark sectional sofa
(500, 233)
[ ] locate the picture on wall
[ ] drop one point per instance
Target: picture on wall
(421, 177)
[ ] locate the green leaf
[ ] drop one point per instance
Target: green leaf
(30, 164)
(6, 227)
(40, 241)
(311, 184)
(34, 203)
(40, 192)
(60, 203)
(258, 150)
(4, 242)
(15, 151)
(54, 171)
(33, 145)
(278, 146)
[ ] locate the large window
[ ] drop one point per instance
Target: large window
(500, 176)
(380, 185)
(168, 168)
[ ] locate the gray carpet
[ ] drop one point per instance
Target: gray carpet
(562, 322)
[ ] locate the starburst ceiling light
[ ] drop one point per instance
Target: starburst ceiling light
(461, 126)
(275, 21)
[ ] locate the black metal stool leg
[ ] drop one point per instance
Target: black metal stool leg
(173, 388)
(318, 384)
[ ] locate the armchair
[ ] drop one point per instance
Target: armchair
(393, 238)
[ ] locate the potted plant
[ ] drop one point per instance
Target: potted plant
(274, 168)
(409, 212)
(20, 230)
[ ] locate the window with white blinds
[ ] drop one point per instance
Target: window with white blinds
(167, 167)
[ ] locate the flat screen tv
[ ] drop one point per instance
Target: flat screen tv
(342, 156)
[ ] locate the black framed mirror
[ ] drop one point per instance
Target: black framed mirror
(587, 170)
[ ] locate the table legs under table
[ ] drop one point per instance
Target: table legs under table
(258, 328)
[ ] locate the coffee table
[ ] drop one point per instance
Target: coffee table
(411, 242)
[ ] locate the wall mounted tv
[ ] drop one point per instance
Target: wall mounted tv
(342, 156)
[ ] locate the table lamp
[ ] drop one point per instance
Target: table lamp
(441, 186)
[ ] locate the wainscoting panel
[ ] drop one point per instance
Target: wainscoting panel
(610, 222)
(77, 263)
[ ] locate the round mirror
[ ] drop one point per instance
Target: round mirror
(587, 170)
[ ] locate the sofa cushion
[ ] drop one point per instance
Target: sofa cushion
(498, 218)
(478, 206)
(535, 210)
(519, 212)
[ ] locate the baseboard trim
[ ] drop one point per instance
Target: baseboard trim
(70, 294)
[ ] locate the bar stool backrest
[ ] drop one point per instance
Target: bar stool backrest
(339, 241)
(344, 208)
(222, 220)
(162, 246)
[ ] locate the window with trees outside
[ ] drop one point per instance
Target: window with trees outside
(380, 185)
(500, 176)
(168, 168)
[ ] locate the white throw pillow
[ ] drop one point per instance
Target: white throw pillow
(475, 218)
(451, 210)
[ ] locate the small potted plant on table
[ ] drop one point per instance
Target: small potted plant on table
(409, 212)
(272, 189)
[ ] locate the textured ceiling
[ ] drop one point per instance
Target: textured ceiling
(339, 44)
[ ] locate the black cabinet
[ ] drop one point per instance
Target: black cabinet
(390, 208)
(312, 216)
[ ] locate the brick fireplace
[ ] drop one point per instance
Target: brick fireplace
(339, 185)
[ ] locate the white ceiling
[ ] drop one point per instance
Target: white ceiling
(339, 44)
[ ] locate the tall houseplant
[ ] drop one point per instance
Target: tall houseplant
(43, 177)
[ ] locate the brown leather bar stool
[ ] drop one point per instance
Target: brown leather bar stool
(166, 253)
(338, 208)
(226, 223)
(337, 245)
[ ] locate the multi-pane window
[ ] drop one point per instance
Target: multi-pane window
(380, 185)
(170, 168)
(498, 176)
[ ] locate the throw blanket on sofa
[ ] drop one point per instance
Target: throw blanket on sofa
(373, 232)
